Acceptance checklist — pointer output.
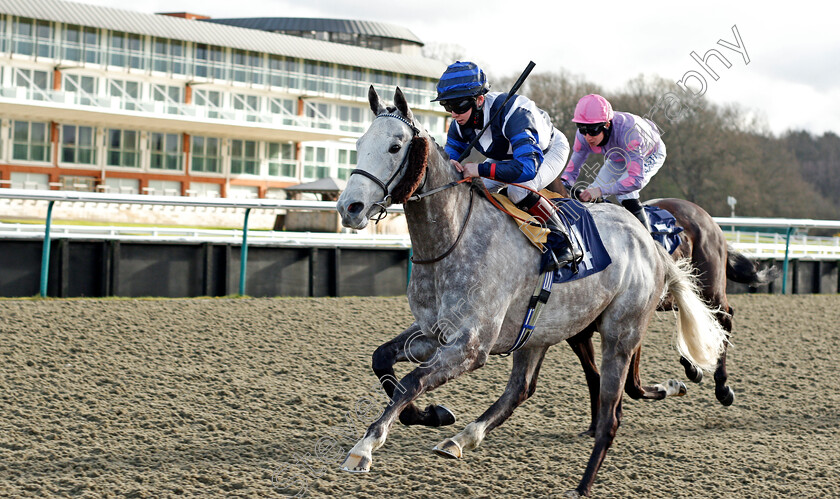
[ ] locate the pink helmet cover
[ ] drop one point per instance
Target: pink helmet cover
(593, 108)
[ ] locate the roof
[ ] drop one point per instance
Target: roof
(326, 184)
(320, 24)
(220, 34)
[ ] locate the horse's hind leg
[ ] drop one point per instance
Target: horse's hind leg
(521, 385)
(723, 392)
(410, 345)
(584, 349)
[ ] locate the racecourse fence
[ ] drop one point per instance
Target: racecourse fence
(73, 260)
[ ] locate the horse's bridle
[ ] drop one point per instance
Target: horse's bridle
(382, 206)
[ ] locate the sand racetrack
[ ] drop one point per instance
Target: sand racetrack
(241, 397)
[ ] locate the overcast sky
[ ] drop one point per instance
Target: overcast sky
(792, 79)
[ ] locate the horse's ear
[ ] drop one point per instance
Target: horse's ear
(402, 105)
(375, 103)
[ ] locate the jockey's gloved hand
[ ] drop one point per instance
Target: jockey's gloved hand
(575, 191)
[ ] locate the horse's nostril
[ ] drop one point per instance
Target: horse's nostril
(355, 208)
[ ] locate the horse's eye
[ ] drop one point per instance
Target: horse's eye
(394, 149)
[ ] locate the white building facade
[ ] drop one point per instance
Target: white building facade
(109, 100)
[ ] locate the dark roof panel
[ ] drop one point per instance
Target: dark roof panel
(319, 24)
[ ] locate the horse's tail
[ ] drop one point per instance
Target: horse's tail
(741, 269)
(700, 337)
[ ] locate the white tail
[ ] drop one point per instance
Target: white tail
(700, 338)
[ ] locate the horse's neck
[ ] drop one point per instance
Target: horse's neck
(435, 221)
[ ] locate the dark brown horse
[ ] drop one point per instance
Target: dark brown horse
(703, 243)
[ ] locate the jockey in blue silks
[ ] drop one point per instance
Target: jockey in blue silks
(521, 145)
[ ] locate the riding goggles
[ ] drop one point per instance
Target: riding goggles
(592, 129)
(460, 106)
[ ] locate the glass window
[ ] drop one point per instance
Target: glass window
(127, 91)
(31, 37)
(123, 148)
(283, 107)
(206, 155)
(38, 83)
(319, 113)
(31, 141)
(172, 96)
(168, 56)
(125, 50)
(281, 160)
(346, 162)
(247, 67)
(83, 86)
(315, 163)
(209, 99)
(166, 151)
(77, 144)
(243, 157)
(283, 71)
(250, 104)
(209, 61)
(164, 187)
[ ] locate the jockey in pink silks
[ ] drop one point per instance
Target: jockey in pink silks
(632, 148)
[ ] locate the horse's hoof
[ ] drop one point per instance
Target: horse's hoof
(691, 371)
(443, 415)
(356, 464)
(725, 396)
(448, 449)
(678, 388)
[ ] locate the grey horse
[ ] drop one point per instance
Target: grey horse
(470, 297)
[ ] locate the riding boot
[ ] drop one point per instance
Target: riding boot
(545, 212)
(638, 211)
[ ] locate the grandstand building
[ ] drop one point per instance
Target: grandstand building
(109, 100)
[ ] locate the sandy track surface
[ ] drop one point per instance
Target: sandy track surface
(248, 398)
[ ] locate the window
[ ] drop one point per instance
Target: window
(211, 100)
(209, 61)
(319, 113)
(346, 163)
(170, 96)
(77, 144)
(83, 86)
(73, 183)
(168, 56)
(26, 180)
(247, 67)
(80, 44)
(350, 119)
(250, 104)
(206, 155)
(125, 50)
(281, 160)
(166, 151)
(349, 83)
(318, 76)
(315, 162)
(205, 189)
(283, 107)
(283, 71)
(31, 37)
(31, 141)
(124, 148)
(36, 82)
(127, 91)
(243, 157)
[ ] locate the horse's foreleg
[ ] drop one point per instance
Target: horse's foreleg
(449, 361)
(521, 385)
(582, 345)
(412, 346)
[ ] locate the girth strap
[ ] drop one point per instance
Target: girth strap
(535, 306)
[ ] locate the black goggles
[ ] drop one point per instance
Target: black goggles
(592, 129)
(458, 106)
